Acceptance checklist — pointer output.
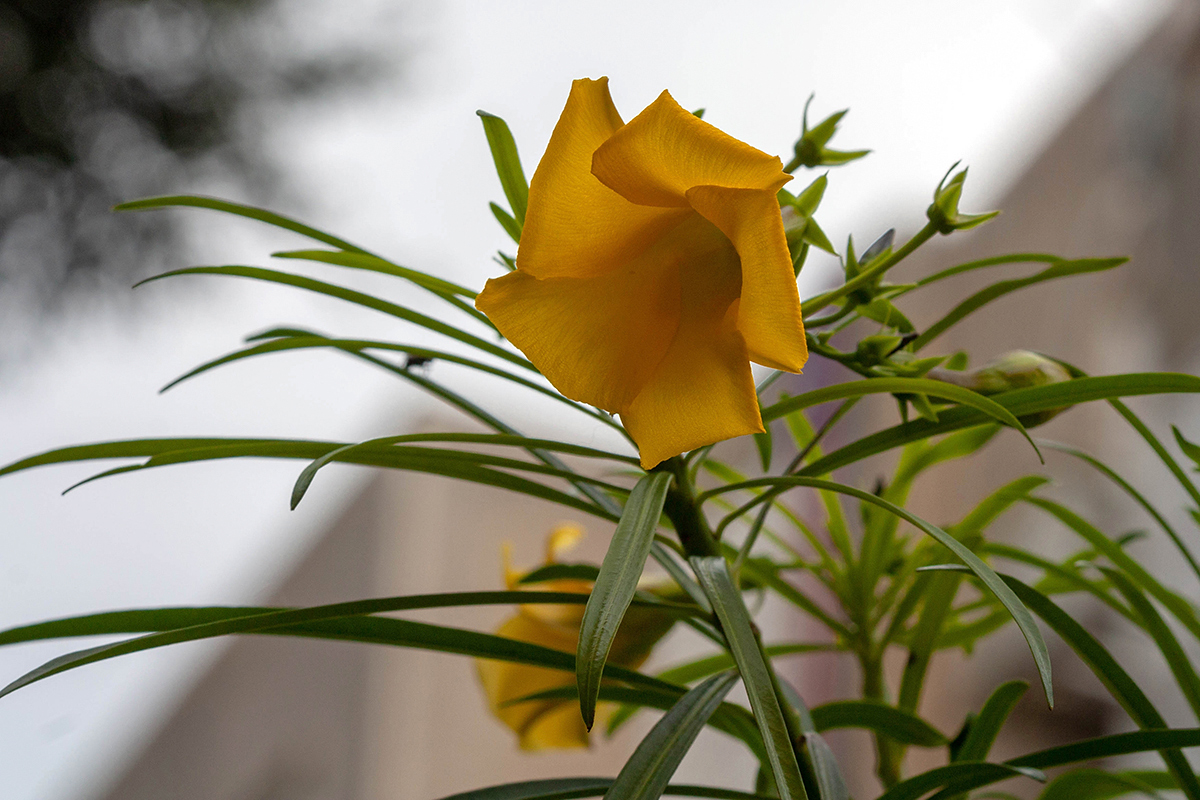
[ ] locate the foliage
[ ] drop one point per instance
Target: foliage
(888, 580)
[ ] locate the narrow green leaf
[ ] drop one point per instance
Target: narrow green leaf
(964, 397)
(1116, 744)
(902, 726)
(508, 164)
(1095, 784)
(510, 225)
(729, 718)
(990, 719)
(826, 773)
(1137, 496)
(981, 298)
(339, 621)
(567, 788)
(960, 776)
(373, 263)
(1020, 614)
(238, 209)
(616, 584)
(1177, 604)
(358, 298)
(1153, 623)
(1118, 682)
(1019, 402)
(647, 772)
(713, 573)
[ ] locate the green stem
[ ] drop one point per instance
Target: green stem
(887, 765)
(815, 304)
(690, 525)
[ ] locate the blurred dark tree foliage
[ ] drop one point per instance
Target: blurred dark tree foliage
(109, 100)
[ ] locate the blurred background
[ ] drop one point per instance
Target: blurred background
(1079, 118)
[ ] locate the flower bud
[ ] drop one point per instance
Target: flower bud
(810, 150)
(1017, 369)
(943, 212)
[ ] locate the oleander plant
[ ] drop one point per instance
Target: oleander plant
(656, 260)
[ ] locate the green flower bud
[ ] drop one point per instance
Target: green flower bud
(1017, 369)
(874, 350)
(810, 150)
(943, 212)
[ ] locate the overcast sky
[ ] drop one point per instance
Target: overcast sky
(405, 170)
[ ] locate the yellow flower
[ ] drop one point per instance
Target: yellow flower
(652, 269)
(542, 724)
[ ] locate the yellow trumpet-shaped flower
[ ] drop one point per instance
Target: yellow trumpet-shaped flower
(542, 724)
(652, 270)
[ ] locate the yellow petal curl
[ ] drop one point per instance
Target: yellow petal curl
(653, 268)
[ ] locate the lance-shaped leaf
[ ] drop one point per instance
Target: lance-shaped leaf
(902, 726)
(963, 774)
(647, 772)
(713, 573)
(616, 584)
(991, 718)
(1019, 402)
(1020, 614)
(1116, 680)
(567, 788)
(240, 210)
(508, 165)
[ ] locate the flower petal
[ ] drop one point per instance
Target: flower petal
(575, 225)
(597, 339)
(769, 311)
(702, 391)
(664, 151)
(539, 724)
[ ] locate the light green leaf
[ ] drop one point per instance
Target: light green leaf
(616, 584)
(1060, 269)
(508, 164)
(238, 209)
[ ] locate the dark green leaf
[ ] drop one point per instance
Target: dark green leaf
(902, 726)
(567, 788)
(713, 573)
(990, 719)
(616, 584)
(1020, 614)
(964, 397)
(339, 621)
(960, 776)
(647, 772)
(1019, 402)
(1095, 784)
(1118, 682)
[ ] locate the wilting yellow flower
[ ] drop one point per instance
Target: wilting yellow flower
(542, 724)
(652, 269)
